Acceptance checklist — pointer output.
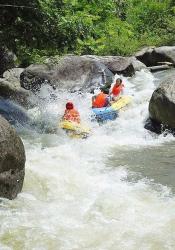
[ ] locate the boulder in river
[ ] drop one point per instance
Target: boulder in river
(71, 73)
(10, 88)
(77, 72)
(116, 64)
(12, 161)
(162, 103)
(152, 56)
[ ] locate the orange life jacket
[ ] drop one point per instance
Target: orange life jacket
(99, 101)
(72, 115)
(116, 90)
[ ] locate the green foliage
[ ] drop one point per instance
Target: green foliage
(151, 21)
(37, 29)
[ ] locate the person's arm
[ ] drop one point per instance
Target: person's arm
(110, 90)
(108, 101)
(111, 98)
(93, 99)
(64, 115)
(122, 88)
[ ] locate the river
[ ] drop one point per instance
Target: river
(111, 191)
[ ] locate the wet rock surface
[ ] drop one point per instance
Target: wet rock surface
(162, 103)
(71, 73)
(12, 161)
(76, 72)
(153, 56)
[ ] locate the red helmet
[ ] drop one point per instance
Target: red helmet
(69, 105)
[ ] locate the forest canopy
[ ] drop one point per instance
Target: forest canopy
(36, 28)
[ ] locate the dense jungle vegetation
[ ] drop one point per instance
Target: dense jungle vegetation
(36, 28)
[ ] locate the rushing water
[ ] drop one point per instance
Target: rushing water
(112, 191)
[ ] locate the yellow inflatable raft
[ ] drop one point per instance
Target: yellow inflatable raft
(74, 129)
(121, 102)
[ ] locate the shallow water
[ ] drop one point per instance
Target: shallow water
(157, 164)
(111, 191)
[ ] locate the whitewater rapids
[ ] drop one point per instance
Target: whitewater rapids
(108, 192)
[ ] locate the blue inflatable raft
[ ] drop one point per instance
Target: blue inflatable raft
(111, 113)
(105, 114)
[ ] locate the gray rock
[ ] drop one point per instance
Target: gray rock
(78, 72)
(116, 64)
(162, 103)
(153, 56)
(13, 91)
(12, 161)
(10, 88)
(13, 75)
(154, 126)
(166, 53)
(71, 73)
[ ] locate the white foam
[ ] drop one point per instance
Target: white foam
(72, 200)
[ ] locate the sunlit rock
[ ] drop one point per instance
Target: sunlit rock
(71, 73)
(162, 103)
(152, 56)
(10, 87)
(116, 64)
(137, 65)
(12, 161)
(13, 75)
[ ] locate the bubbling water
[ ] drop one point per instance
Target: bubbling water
(74, 198)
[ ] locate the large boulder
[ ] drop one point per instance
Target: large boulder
(162, 103)
(13, 74)
(78, 72)
(7, 60)
(154, 126)
(165, 54)
(19, 95)
(10, 87)
(71, 73)
(116, 64)
(152, 56)
(12, 161)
